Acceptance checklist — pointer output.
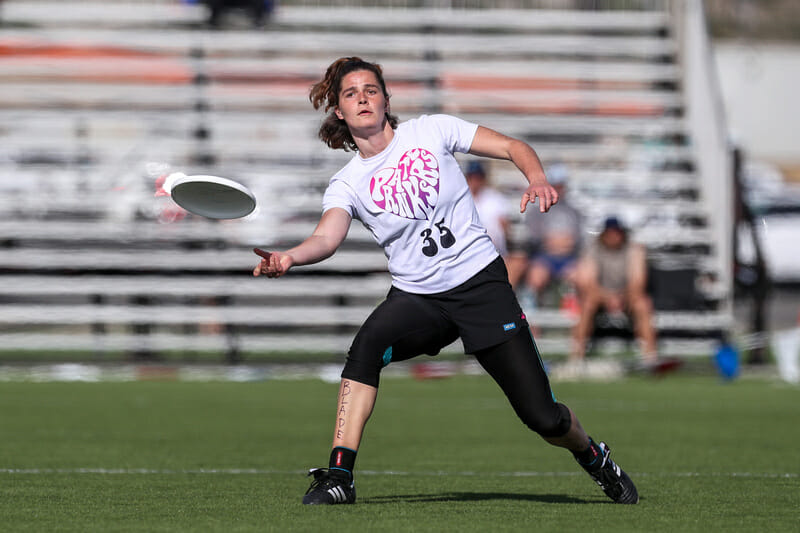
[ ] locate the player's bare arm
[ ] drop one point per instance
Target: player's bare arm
(489, 143)
(321, 244)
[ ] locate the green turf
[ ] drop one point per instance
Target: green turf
(155, 456)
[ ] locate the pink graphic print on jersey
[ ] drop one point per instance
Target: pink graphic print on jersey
(410, 190)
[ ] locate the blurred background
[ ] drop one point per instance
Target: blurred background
(675, 117)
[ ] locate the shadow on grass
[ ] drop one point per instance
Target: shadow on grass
(473, 497)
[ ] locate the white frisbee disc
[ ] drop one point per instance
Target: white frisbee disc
(212, 196)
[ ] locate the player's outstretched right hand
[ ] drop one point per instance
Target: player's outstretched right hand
(272, 264)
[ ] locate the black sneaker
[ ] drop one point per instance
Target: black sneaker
(611, 478)
(330, 486)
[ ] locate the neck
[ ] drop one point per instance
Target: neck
(372, 143)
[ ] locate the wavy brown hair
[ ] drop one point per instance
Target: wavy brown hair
(334, 131)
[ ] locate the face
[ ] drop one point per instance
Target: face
(613, 238)
(476, 182)
(361, 101)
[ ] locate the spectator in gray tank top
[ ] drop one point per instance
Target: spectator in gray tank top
(612, 276)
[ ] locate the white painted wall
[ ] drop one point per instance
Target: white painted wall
(761, 91)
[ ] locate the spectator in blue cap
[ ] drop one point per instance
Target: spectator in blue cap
(612, 276)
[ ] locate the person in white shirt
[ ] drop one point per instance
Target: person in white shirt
(491, 205)
(448, 280)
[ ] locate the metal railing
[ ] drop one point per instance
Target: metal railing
(706, 118)
(595, 5)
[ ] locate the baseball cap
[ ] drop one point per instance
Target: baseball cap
(475, 167)
(613, 222)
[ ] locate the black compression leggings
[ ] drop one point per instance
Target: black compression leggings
(515, 366)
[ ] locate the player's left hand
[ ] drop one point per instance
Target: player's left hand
(546, 194)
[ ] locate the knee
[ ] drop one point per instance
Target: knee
(641, 305)
(365, 360)
(550, 423)
(538, 276)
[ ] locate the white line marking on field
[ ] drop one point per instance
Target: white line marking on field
(257, 471)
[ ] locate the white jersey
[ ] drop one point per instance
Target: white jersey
(414, 200)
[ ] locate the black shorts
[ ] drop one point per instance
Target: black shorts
(483, 311)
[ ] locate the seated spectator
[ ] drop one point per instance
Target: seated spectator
(553, 244)
(492, 206)
(612, 276)
(259, 10)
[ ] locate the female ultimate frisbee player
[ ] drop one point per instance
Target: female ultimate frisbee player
(448, 281)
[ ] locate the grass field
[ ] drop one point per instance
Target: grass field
(440, 455)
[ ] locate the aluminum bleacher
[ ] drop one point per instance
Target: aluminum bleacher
(98, 101)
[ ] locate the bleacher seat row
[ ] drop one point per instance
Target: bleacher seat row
(98, 101)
